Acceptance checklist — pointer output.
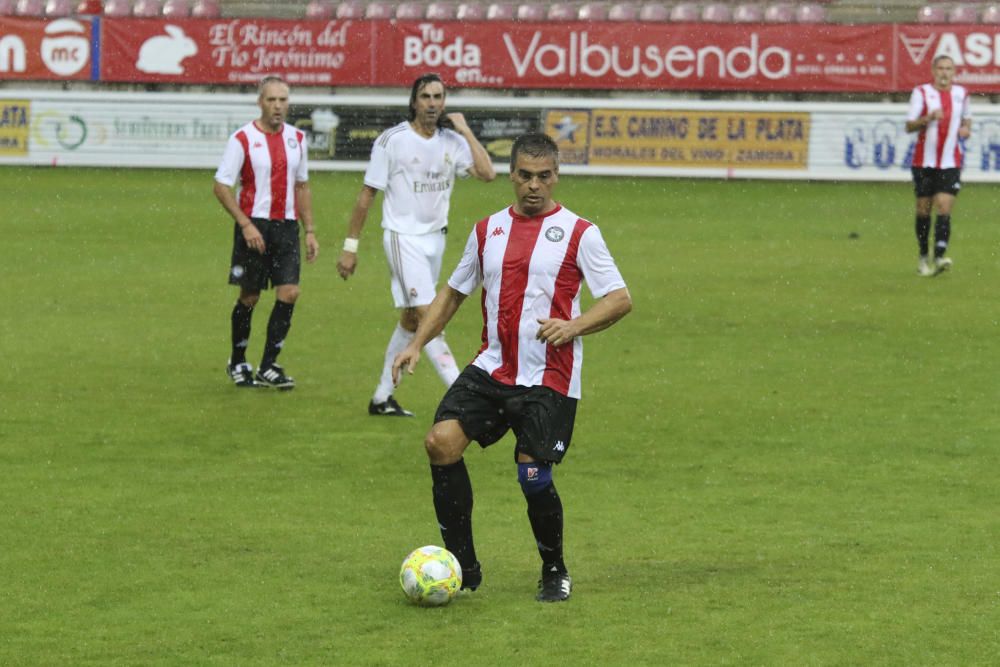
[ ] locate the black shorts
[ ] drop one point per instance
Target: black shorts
(541, 418)
(928, 181)
(280, 263)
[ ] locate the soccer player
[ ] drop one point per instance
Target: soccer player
(530, 259)
(268, 157)
(415, 164)
(939, 112)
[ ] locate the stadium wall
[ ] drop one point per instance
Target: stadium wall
(632, 137)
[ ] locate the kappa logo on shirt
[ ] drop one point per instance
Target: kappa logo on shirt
(257, 144)
(498, 231)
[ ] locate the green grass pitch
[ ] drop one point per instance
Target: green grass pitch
(787, 454)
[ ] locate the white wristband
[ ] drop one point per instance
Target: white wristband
(351, 245)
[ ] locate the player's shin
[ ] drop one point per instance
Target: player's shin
(453, 507)
(443, 360)
(545, 512)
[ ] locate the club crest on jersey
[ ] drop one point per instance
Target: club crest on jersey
(413, 293)
(292, 143)
(555, 234)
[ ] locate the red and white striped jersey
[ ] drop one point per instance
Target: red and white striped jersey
(268, 167)
(937, 143)
(532, 269)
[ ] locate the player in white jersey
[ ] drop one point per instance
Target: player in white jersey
(939, 112)
(415, 164)
(268, 157)
(531, 260)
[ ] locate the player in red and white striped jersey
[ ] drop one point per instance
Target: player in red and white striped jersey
(269, 158)
(531, 260)
(939, 112)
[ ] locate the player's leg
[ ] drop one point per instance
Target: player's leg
(404, 256)
(247, 271)
(944, 201)
(543, 421)
(470, 410)
(922, 226)
(452, 490)
(285, 263)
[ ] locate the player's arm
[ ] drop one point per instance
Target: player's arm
(251, 235)
(482, 165)
(607, 310)
(439, 313)
(303, 202)
(349, 256)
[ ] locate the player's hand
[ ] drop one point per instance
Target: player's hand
(312, 248)
(405, 361)
(937, 114)
(458, 120)
(253, 238)
(346, 264)
(555, 332)
(964, 133)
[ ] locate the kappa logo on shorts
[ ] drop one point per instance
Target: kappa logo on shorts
(559, 446)
(555, 234)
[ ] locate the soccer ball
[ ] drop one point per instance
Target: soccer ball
(430, 576)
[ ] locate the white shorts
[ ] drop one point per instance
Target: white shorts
(414, 266)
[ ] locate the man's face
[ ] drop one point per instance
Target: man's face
(944, 72)
(534, 179)
(273, 102)
(429, 104)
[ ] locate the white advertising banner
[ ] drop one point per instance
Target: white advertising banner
(637, 137)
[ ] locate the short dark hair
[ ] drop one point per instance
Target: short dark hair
(534, 144)
(418, 85)
(941, 56)
(270, 78)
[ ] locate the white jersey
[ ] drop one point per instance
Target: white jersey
(268, 166)
(417, 175)
(938, 145)
(532, 269)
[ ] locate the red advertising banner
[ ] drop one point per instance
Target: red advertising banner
(974, 49)
(323, 53)
(498, 54)
(639, 56)
(36, 50)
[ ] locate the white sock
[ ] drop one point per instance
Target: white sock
(397, 343)
(444, 362)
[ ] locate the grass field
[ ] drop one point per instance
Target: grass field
(786, 455)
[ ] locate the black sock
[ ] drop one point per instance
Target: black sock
(942, 232)
(240, 319)
(923, 227)
(453, 506)
(277, 328)
(545, 513)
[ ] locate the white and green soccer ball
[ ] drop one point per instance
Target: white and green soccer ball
(430, 576)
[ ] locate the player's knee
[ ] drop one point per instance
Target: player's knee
(534, 477)
(288, 293)
(441, 446)
(409, 319)
(249, 299)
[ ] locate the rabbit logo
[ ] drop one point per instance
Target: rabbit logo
(162, 54)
